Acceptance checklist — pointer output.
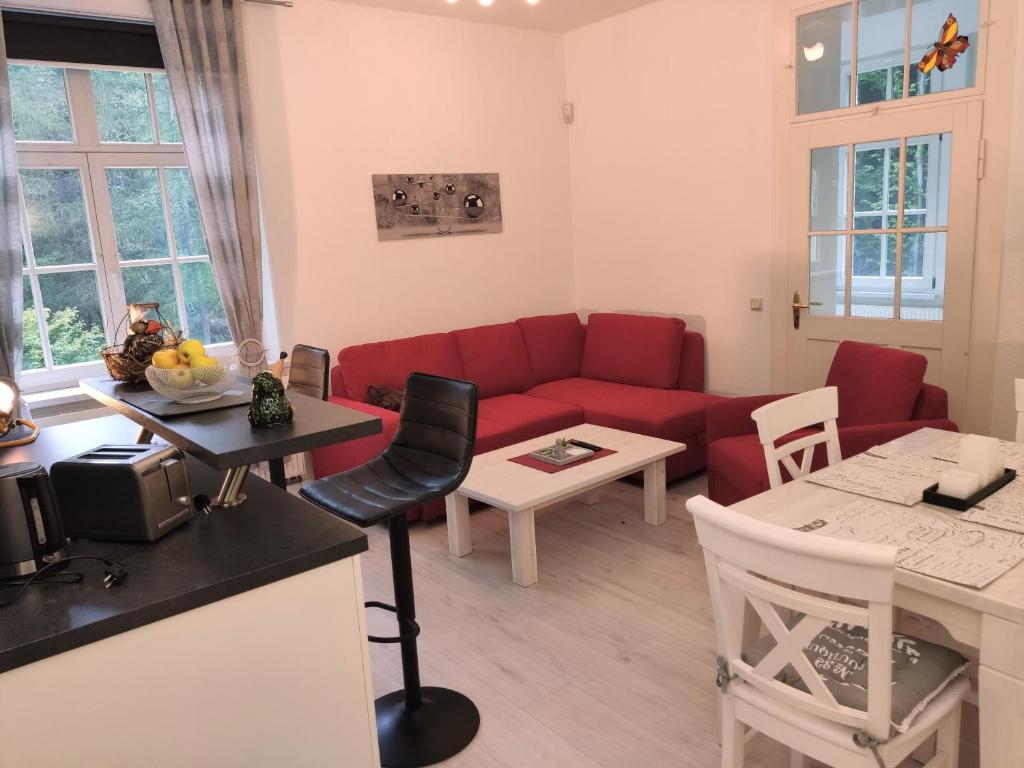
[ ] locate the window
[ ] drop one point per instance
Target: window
(109, 216)
(894, 248)
(864, 51)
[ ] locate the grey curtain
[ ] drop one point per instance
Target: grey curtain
(204, 55)
(10, 232)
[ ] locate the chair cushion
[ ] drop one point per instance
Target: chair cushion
(528, 417)
(667, 413)
(877, 385)
(633, 349)
(920, 670)
(554, 344)
(494, 358)
(389, 363)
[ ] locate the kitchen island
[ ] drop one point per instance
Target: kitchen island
(238, 639)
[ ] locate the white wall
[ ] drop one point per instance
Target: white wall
(341, 92)
(1010, 339)
(671, 173)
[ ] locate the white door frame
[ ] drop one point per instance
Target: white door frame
(952, 335)
(994, 87)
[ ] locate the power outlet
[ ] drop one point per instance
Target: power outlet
(756, 303)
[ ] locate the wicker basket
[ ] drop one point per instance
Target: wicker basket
(129, 365)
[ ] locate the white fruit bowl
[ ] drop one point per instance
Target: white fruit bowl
(190, 385)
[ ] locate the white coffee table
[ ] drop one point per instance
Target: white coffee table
(521, 490)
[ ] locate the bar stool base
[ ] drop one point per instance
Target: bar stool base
(441, 727)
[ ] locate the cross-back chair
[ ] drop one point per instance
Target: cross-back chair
(807, 409)
(745, 560)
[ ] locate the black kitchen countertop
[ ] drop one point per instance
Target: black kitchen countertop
(270, 537)
(224, 439)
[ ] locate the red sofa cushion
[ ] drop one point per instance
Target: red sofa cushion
(667, 413)
(554, 344)
(877, 385)
(528, 417)
(494, 358)
(633, 349)
(389, 363)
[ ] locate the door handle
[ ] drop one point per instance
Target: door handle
(798, 304)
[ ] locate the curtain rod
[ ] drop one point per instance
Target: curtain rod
(282, 3)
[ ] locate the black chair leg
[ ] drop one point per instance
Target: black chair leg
(418, 726)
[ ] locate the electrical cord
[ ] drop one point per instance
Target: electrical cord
(52, 573)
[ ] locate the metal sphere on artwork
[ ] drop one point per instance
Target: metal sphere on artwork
(437, 195)
(449, 188)
(399, 198)
(415, 210)
(474, 205)
(411, 179)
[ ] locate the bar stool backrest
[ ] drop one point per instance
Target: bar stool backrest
(436, 433)
(308, 371)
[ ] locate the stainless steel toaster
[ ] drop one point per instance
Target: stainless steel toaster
(122, 492)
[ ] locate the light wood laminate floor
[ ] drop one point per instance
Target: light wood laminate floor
(606, 662)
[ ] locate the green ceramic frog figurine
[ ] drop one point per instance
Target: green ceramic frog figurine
(269, 406)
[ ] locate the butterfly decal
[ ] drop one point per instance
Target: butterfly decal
(945, 50)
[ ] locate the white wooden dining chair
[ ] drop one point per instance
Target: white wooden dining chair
(744, 559)
(807, 409)
(1018, 385)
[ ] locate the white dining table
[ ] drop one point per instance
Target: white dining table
(990, 620)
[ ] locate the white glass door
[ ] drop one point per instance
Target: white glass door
(881, 236)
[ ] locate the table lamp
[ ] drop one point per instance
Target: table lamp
(13, 431)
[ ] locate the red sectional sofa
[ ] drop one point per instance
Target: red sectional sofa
(539, 375)
(882, 396)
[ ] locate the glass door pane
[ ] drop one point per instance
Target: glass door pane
(895, 255)
(880, 50)
(72, 316)
(58, 222)
(823, 42)
(137, 205)
(927, 20)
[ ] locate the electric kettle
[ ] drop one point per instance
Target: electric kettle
(31, 534)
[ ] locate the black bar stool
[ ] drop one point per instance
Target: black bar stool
(428, 459)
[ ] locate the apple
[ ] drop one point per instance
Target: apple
(165, 358)
(203, 362)
(190, 349)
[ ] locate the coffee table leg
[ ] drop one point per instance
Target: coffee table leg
(460, 541)
(654, 493)
(524, 547)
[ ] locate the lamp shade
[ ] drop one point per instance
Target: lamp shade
(13, 431)
(8, 405)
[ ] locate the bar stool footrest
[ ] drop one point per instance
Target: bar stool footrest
(410, 627)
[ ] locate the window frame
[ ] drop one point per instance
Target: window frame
(798, 8)
(92, 157)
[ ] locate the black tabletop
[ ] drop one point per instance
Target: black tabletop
(224, 439)
(272, 536)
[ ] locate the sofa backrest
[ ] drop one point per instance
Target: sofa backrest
(494, 357)
(500, 359)
(642, 350)
(389, 363)
(877, 385)
(554, 344)
(691, 366)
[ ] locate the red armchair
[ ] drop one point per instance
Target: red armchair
(882, 396)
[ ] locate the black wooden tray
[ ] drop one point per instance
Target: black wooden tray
(158, 405)
(932, 495)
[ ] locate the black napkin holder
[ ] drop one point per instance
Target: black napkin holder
(932, 495)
